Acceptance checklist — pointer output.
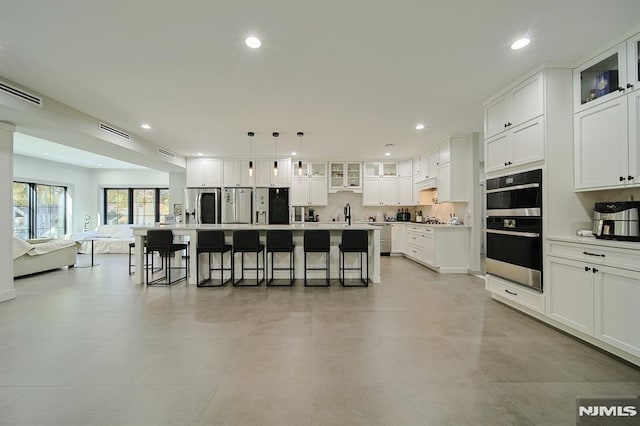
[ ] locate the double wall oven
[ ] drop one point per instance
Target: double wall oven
(514, 228)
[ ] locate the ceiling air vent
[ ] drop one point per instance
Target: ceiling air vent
(113, 130)
(20, 94)
(166, 153)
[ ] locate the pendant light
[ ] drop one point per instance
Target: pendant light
(300, 135)
(275, 156)
(251, 135)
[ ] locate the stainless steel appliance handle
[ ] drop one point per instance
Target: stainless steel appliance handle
(514, 188)
(514, 212)
(198, 208)
(514, 233)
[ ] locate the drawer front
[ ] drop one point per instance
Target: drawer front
(415, 239)
(520, 295)
(606, 256)
(414, 251)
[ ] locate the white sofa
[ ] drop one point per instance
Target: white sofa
(32, 256)
(106, 239)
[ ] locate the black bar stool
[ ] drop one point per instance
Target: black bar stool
(354, 241)
(132, 265)
(317, 241)
(280, 241)
(213, 242)
(161, 241)
(248, 241)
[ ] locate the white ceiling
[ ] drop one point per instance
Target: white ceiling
(39, 148)
(353, 75)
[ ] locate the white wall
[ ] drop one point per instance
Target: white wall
(76, 179)
(7, 291)
(122, 178)
(84, 185)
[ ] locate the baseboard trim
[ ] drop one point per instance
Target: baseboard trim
(7, 295)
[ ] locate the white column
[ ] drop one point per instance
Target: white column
(7, 291)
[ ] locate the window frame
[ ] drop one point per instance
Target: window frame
(32, 205)
(130, 202)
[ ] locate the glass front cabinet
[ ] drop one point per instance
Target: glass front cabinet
(609, 75)
(345, 177)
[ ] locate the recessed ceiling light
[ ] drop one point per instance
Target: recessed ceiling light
(99, 165)
(419, 126)
(45, 153)
(519, 44)
(145, 126)
(294, 153)
(253, 42)
(199, 153)
(387, 154)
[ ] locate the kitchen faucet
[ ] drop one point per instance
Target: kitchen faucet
(347, 213)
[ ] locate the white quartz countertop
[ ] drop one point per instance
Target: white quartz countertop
(433, 225)
(596, 242)
(333, 226)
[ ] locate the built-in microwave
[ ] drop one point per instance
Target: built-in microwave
(514, 228)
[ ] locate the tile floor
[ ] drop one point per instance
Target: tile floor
(89, 347)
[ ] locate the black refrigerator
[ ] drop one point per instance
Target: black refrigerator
(278, 206)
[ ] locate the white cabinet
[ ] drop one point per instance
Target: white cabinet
(444, 249)
(595, 289)
(380, 186)
(617, 294)
(570, 297)
(235, 173)
(519, 105)
(429, 246)
(429, 165)
(520, 145)
(310, 189)
(265, 176)
(606, 121)
(601, 79)
(203, 172)
(407, 196)
(389, 192)
(601, 145)
(398, 238)
(345, 176)
(454, 176)
(444, 153)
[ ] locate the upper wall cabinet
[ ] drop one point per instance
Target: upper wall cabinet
(519, 105)
(265, 176)
(601, 79)
(345, 176)
(607, 119)
(203, 172)
(235, 173)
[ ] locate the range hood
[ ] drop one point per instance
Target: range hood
(430, 183)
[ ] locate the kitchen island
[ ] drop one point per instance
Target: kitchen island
(190, 232)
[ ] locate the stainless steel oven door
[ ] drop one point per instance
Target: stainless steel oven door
(516, 256)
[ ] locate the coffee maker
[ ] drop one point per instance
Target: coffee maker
(617, 220)
(311, 215)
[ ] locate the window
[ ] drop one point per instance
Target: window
(39, 211)
(137, 206)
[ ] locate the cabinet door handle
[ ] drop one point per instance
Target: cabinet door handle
(587, 269)
(629, 86)
(629, 177)
(511, 292)
(622, 178)
(593, 254)
(621, 89)
(505, 125)
(595, 270)
(508, 124)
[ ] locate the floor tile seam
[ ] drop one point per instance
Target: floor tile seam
(414, 403)
(513, 402)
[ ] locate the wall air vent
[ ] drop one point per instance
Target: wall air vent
(114, 131)
(166, 153)
(20, 94)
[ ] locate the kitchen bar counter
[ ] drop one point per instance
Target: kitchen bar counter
(298, 229)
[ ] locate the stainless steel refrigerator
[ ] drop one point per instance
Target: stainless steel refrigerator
(202, 205)
(237, 205)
